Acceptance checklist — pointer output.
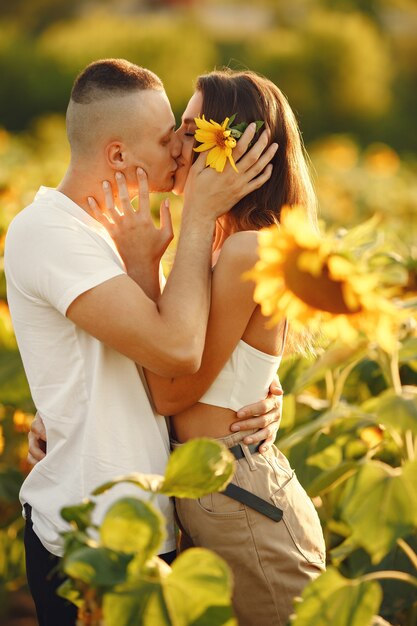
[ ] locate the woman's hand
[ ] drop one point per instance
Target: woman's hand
(140, 244)
(37, 440)
(214, 193)
(264, 415)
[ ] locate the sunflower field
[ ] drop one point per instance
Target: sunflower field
(349, 424)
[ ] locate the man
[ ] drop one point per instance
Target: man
(82, 323)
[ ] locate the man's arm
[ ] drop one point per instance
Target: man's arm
(167, 337)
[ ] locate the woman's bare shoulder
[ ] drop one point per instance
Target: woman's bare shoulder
(241, 248)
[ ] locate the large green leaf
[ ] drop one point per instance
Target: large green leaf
(199, 580)
(133, 526)
(79, 515)
(335, 355)
(216, 616)
(332, 600)
(328, 479)
(196, 468)
(408, 352)
(326, 419)
(10, 483)
(393, 410)
(147, 482)
(97, 567)
(69, 591)
(128, 606)
(379, 504)
(14, 388)
(199, 467)
(195, 592)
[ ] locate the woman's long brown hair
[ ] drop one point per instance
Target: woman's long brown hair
(253, 97)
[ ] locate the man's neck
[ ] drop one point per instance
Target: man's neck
(78, 185)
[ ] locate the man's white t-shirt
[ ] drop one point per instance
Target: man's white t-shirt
(98, 417)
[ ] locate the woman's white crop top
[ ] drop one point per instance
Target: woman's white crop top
(244, 379)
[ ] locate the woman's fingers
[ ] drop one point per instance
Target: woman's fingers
(123, 193)
(166, 220)
(262, 162)
(258, 181)
(110, 211)
(143, 192)
(96, 212)
(243, 143)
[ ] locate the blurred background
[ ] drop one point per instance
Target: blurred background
(348, 68)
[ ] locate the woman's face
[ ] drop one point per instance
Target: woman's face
(186, 133)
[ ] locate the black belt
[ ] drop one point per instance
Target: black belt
(238, 452)
(246, 497)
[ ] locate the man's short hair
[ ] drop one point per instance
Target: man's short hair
(112, 76)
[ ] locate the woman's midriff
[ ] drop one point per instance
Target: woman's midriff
(202, 420)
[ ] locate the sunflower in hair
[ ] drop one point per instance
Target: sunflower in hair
(219, 140)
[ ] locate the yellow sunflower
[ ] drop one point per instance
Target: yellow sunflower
(313, 282)
(217, 139)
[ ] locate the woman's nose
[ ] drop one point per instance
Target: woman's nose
(176, 146)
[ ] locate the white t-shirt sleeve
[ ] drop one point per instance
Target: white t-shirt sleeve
(59, 259)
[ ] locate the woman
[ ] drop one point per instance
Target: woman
(274, 545)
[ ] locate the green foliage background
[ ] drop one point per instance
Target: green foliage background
(349, 70)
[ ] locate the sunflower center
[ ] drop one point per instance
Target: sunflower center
(220, 139)
(321, 292)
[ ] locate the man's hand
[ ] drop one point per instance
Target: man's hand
(264, 415)
(37, 440)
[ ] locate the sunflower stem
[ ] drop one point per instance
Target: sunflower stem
(341, 381)
(395, 372)
(409, 445)
(390, 574)
(329, 385)
(407, 549)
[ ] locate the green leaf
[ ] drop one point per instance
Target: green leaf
(408, 351)
(128, 608)
(196, 590)
(289, 410)
(199, 580)
(14, 388)
(326, 419)
(336, 355)
(69, 591)
(10, 483)
(396, 411)
(79, 515)
(97, 567)
(334, 600)
(380, 505)
(334, 476)
(238, 130)
(198, 467)
(133, 526)
(218, 615)
(147, 482)
(327, 453)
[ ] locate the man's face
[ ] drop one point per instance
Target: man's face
(185, 134)
(152, 143)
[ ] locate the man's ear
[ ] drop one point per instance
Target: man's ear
(116, 155)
